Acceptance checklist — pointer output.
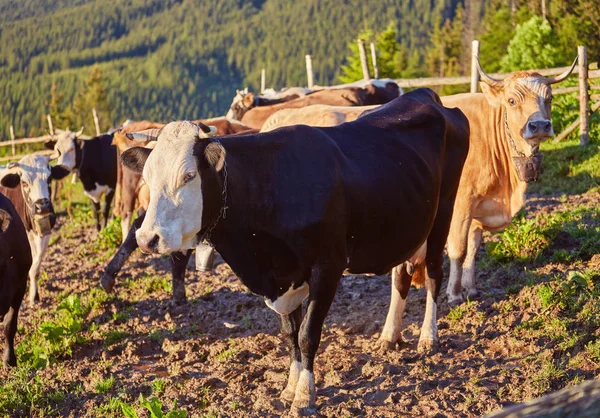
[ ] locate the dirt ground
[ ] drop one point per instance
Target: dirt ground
(220, 354)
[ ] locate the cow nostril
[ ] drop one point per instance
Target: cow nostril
(153, 243)
(532, 127)
(548, 126)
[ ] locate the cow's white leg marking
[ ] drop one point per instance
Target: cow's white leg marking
(290, 300)
(392, 330)
(468, 276)
(97, 192)
(289, 392)
(428, 338)
(306, 394)
(38, 248)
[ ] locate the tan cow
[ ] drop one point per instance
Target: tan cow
(508, 122)
(315, 115)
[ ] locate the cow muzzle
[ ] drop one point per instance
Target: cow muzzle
(148, 241)
(538, 130)
(528, 168)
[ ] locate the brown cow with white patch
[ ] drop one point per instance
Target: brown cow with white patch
(371, 94)
(508, 122)
(315, 115)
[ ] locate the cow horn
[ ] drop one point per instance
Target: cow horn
(206, 131)
(486, 78)
(78, 133)
(144, 136)
(12, 165)
(560, 77)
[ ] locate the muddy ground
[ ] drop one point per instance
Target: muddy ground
(220, 354)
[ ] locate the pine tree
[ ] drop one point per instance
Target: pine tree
(388, 51)
(352, 71)
(92, 96)
(61, 117)
(531, 47)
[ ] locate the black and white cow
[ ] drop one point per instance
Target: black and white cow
(291, 209)
(95, 161)
(27, 185)
(15, 262)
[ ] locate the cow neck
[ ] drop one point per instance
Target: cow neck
(222, 212)
(78, 153)
(504, 168)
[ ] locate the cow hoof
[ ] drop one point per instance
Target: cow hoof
(288, 394)
(454, 301)
(473, 294)
(427, 346)
(385, 346)
(304, 411)
(107, 282)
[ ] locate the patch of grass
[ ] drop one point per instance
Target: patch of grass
(109, 409)
(158, 386)
(105, 385)
(153, 284)
(227, 354)
(154, 406)
(547, 377)
(113, 337)
(24, 393)
(55, 338)
(157, 335)
(521, 241)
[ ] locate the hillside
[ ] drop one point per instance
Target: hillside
(173, 59)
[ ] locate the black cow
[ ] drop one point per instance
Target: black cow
(291, 209)
(95, 161)
(15, 262)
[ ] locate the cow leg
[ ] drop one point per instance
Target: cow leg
(179, 262)
(38, 248)
(125, 225)
(468, 276)
(96, 210)
(457, 250)
(323, 286)
(10, 330)
(108, 198)
(290, 325)
(391, 335)
(428, 339)
(116, 263)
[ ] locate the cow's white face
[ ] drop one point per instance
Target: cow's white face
(65, 148)
(242, 102)
(174, 215)
(33, 172)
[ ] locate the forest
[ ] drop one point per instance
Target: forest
(174, 59)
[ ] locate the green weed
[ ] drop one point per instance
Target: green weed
(105, 385)
(155, 407)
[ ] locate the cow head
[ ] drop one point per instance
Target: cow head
(242, 103)
(526, 99)
(34, 174)
(172, 172)
(66, 148)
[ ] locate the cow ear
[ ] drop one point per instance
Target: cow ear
(5, 219)
(492, 94)
(58, 172)
(248, 100)
(49, 145)
(10, 180)
(135, 158)
(215, 155)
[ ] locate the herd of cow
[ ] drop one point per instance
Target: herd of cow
(294, 188)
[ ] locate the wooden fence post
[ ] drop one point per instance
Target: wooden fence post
(96, 122)
(474, 71)
(50, 125)
(12, 138)
(363, 60)
(309, 71)
(584, 125)
(262, 81)
(374, 59)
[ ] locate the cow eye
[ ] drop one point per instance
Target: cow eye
(512, 102)
(189, 177)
